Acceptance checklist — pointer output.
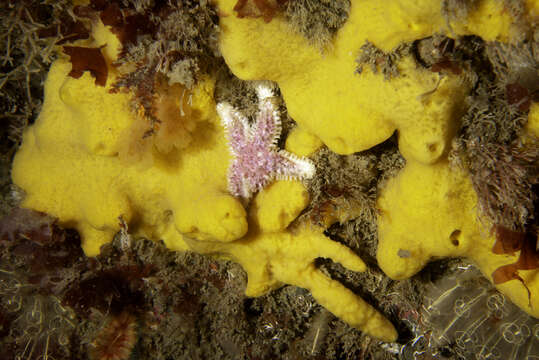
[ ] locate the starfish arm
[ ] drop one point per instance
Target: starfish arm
(267, 127)
(294, 167)
(248, 190)
(235, 180)
(243, 184)
(235, 124)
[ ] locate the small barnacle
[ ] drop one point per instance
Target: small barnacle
(447, 65)
(271, 327)
(404, 253)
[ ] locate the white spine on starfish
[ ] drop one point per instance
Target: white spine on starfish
(228, 114)
(305, 167)
(277, 130)
(224, 109)
(264, 92)
(265, 105)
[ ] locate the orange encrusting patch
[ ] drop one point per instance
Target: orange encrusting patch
(266, 9)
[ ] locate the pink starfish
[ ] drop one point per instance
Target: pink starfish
(257, 159)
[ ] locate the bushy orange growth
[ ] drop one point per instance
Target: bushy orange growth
(167, 128)
(135, 142)
(175, 123)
